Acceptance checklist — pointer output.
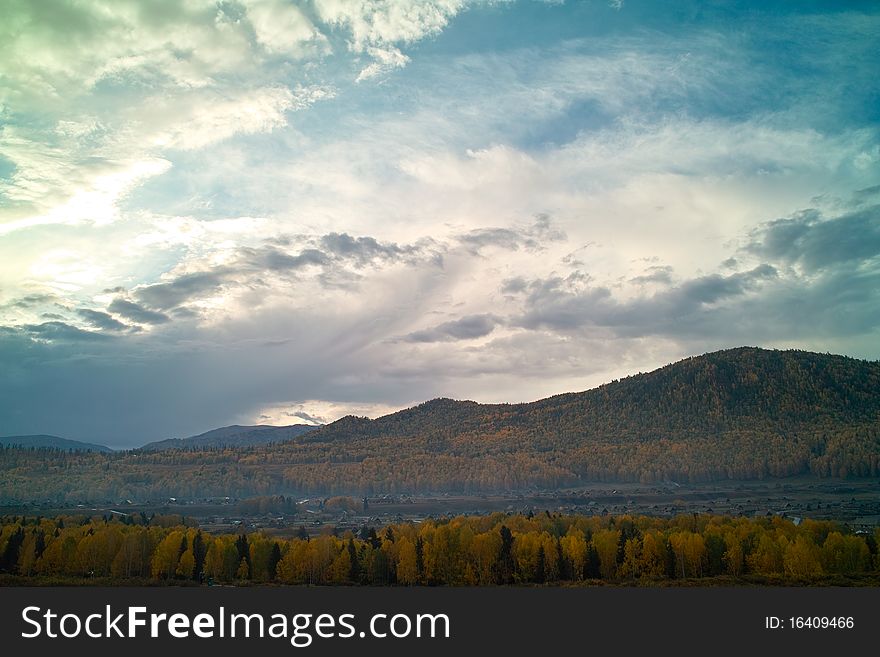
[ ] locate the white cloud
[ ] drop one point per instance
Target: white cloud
(381, 22)
(384, 60)
(317, 411)
(282, 28)
(205, 121)
(376, 27)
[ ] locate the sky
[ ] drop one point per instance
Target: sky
(275, 212)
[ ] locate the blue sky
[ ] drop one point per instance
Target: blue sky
(274, 212)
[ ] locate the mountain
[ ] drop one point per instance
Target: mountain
(743, 413)
(699, 397)
(232, 436)
(53, 442)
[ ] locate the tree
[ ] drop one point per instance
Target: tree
(845, 554)
(505, 556)
(355, 573)
(541, 566)
(187, 564)
(341, 568)
(244, 552)
(605, 542)
(574, 552)
(801, 559)
(420, 558)
(407, 568)
(274, 558)
(631, 567)
(200, 551)
(167, 555)
(9, 556)
(734, 556)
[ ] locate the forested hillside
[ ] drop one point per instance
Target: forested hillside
(738, 414)
(52, 442)
(233, 436)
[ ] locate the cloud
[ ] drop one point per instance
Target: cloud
(814, 242)
(532, 237)
(384, 22)
(277, 260)
(78, 80)
(466, 328)
(101, 320)
(332, 260)
(282, 28)
(384, 60)
(504, 238)
(30, 300)
(136, 313)
(310, 419)
(573, 305)
(66, 51)
(210, 118)
(58, 331)
(182, 288)
(657, 274)
(514, 285)
(361, 249)
(376, 28)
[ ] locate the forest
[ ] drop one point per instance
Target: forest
(499, 549)
(732, 415)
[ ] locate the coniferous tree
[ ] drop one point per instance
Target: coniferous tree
(541, 566)
(506, 565)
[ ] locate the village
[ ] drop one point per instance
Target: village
(855, 503)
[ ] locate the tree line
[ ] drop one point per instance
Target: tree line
(496, 549)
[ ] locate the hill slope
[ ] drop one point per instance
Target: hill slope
(52, 442)
(233, 436)
(738, 414)
(699, 397)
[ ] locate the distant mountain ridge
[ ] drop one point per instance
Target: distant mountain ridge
(698, 396)
(233, 436)
(738, 414)
(52, 442)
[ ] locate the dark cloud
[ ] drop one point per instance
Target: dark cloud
(503, 238)
(361, 249)
(312, 419)
(277, 260)
(30, 300)
(59, 331)
(271, 258)
(512, 239)
(657, 274)
(866, 194)
(544, 228)
(101, 320)
(514, 285)
(466, 328)
(810, 240)
(185, 287)
(565, 304)
(714, 288)
(137, 313)
(337, 251)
